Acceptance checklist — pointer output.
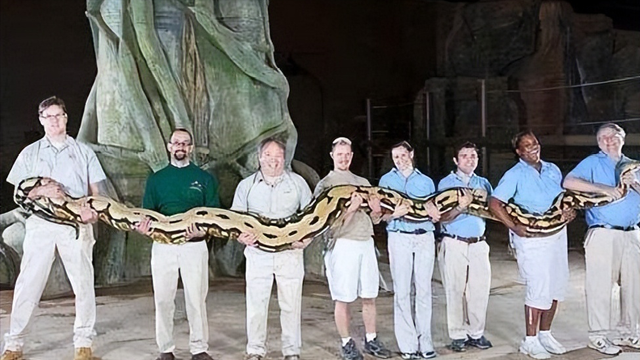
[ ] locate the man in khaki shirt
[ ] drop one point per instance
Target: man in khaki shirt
(351, 263)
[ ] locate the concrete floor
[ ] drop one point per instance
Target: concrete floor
(125, 321)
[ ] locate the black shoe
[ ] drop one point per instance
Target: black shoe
(377, 349)
(350, 351)
(201, 356)
(166, 356)
(481, 343)
(458, 345)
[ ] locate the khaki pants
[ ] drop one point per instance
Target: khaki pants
(287, 268)
(612, 256)
(466, 276)
(411, 258)
(42, 238)
(191, 262)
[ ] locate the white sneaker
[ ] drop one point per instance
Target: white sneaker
(534, 348)
(629, 341)
(550, 343)
(603, 345)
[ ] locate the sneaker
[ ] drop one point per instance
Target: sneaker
(458, 345)
(481, 343)
(12, 355)
(411, 356)
(201, 356)
(253, 357)
(350, 351)
(603, 345)
(166, 356)
(292, 357)
(83, 353)
(629, 341)
(376, 348)
(429, 354)
(550, 343)
(534, 349)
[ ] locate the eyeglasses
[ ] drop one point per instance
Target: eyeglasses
(56, 116)
(181, 144)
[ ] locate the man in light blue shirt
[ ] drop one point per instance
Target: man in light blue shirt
(411, 252)
(464, 257)
(612, 243)
(533, 184)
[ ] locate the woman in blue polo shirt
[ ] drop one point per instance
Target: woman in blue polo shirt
(411, 251)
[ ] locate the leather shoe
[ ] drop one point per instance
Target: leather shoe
(201, 356)
(166, 356)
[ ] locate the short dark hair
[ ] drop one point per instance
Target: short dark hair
(271, 139)
(405, 144)
(465, 145)
(46, 103)
(184, 131)
(515, 142)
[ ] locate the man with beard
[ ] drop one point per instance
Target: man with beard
(70, 167)
(464, 257)
(533, 184)
(612, 244)
(177, 188)
(411, 256)
(276, 193)
(351, 263)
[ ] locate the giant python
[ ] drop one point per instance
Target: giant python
(313, 220)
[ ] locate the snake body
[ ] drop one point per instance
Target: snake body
(313, 220)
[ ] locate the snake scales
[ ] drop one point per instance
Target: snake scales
(313, 220)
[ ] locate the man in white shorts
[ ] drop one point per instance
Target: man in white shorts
(351, 263)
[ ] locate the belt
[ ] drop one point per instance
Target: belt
(414, 232)
(614, 227)
(469, 240)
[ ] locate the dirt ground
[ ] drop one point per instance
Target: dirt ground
(125, 321)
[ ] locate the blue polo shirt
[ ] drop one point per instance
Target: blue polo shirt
(416, 186)
(531, 190)
(464, 224)
(601, 169)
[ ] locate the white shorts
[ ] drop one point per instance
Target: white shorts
(352, 270)
(544, 266)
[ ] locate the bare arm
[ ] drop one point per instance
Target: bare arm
(497, 209)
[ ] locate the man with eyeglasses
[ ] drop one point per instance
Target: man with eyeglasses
(612, 244)
(73, 168)
(177, 188)
(350, 261)
(275, 193)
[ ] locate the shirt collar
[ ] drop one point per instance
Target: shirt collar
(399, 173)
(45, 142)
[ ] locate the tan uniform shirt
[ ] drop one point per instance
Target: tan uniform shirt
(360, 227)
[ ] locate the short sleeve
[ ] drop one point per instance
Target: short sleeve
(241, 195)
(583, 170)
(19, 170)
(507, 186)
(94, 169)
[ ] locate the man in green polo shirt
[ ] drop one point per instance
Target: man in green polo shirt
(175, 189)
